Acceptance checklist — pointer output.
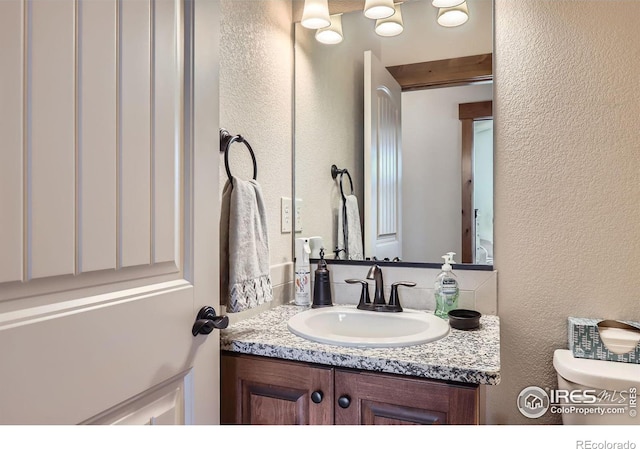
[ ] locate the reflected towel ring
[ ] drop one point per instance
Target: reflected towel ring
(226, 139)
(335, 171)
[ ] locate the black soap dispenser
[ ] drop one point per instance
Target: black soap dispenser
(322, 284)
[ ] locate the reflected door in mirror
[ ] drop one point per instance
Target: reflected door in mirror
(382, 161)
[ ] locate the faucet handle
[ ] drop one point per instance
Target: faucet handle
(404, 283)
(394, 299)
(365, 300)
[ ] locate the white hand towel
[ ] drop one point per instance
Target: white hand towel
(244, 247)
(353, 232)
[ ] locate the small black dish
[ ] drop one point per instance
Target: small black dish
(464, 319)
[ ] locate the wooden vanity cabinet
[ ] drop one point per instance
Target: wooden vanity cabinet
(259, 390)
(386, 399)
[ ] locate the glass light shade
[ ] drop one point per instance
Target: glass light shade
(333, 33)
(391, 26)
(315, 14)
(446, 3)
(453, 17)
(378, 9)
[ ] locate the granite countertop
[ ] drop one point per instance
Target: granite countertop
(461, 356)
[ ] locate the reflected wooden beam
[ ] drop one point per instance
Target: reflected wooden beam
(444, 73)
(345, 6)
(481, 110)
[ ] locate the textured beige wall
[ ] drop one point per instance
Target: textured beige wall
(256, 78)
(567, 180)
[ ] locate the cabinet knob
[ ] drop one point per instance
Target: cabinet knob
(317, 396)
(344, 401)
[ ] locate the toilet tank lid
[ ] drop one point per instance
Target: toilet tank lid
(596, 373)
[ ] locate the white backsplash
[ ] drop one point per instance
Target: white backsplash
(478, 289)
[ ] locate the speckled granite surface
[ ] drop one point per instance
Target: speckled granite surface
(462, 356)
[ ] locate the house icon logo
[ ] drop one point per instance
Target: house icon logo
(533, 402)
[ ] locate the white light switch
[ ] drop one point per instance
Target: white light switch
(286, 215)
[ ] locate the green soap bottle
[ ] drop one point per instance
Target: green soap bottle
(446, 288)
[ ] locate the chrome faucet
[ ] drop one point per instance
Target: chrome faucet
(375, 274)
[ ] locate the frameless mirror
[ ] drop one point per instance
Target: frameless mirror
(420, 159)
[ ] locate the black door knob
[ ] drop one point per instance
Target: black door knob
(344, 401)
(317, 397)
(207, 321)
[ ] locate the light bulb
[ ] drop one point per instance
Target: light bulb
(453, 17)
(378, 9)
(391, 26)
(333, 33)
(446, 3)
(315, 14)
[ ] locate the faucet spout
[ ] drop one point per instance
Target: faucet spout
(375, 274)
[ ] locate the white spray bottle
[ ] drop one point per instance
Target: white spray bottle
(303, 273)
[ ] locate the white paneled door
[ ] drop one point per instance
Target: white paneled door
(382, 161)
(108, 211)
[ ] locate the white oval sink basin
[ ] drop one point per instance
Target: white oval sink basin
(348, 326)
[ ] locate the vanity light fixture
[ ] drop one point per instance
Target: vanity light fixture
(333, 33)
(378, 9)
(315, 14)
(454, 16)
(446, 3)
(391, 26)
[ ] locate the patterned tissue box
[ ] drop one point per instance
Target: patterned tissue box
(585, 341)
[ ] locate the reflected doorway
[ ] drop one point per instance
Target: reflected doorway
(477, 182)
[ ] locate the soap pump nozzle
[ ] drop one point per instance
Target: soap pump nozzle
(451, 261)
(446, 266)
(307, 248)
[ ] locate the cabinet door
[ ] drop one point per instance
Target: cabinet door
(370, 398)
(258, 390)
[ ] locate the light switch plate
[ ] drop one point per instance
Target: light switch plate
(286, 216)
(298, 215)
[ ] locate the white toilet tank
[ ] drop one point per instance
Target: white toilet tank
(603, 392)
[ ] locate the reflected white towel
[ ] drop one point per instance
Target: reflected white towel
(353, 232)
(244, 247)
